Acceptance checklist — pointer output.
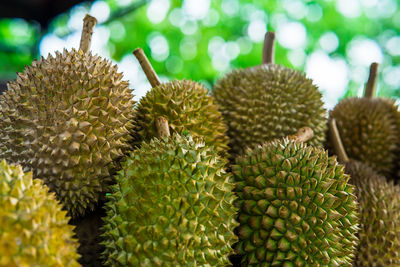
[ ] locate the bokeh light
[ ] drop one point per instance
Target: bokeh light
(158, 10)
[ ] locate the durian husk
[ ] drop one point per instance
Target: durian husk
(34, 231)
(188, 108)
(68, 119)
(172, 206)
(369, 129)
(266, 102)
(379, 208)
(296, 207)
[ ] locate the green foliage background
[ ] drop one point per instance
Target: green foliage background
(378, 21)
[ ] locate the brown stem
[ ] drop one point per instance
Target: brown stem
(162, 127)
(88, 24)
(371, 84)
(302, 135)
(337, 141)
(147, 68)
(268, 49)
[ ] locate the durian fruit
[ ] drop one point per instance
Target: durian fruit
(296, 207)
(185, 104)
(87, 230)
(369, 127)
(67, 118)
(172, 205)
(379, 209)
(34, 231)
(268, 101)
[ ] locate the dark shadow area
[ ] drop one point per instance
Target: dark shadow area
(42, 11)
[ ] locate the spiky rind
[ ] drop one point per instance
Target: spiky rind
(295, 207)
(370, 131)
(379, 208)
(266, 102)
(172, 206)
(34, 231)
(67, 118)
(186, 106)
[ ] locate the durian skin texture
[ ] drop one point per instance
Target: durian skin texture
(266, 102)
(34, 231)
(379, 210)
(370, 131)
(187, 107)
(67, 118)
(295, 207)
(172, 206)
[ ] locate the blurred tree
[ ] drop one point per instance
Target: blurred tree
(332, 41)
(17, 45)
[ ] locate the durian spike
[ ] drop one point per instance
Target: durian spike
(337, 141)
(268, 49)
(302, 135)
(147, 68)
(162, 127)
(371, 84)
(88, 24)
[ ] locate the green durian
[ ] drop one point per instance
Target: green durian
(185, 104)
(268, 101)
(379, 209)
(172, 206)
(296, 207)
(369, 128)
(34, 231)
(68, 119)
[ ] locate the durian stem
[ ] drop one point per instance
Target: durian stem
(162, 127)
(268, 49)
(337, 141)
(371, 84)
(147, 68)
(88, 24)
(302, 135)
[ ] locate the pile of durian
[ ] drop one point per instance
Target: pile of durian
(183, 178)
